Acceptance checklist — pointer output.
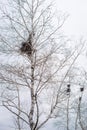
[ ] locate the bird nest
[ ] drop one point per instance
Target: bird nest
(26, 47)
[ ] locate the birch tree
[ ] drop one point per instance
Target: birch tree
(35, 61)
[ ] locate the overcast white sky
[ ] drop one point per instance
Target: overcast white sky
(76, 23)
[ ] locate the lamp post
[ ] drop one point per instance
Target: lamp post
(68, 93)
(79, 110)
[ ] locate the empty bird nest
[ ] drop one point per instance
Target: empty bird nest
(26, 47)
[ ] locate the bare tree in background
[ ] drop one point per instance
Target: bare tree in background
(35, 61)
(80, 105)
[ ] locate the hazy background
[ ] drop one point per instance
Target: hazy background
(76, 24)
